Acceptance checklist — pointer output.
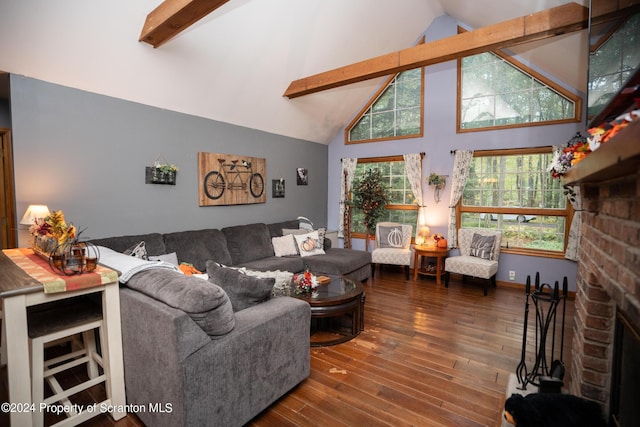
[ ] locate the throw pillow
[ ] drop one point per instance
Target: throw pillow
(171, 258)
(244, 291)
(390, 236)
(308, 244)
(285, 245)
(482, 246)
(207, 304)
(139, 250)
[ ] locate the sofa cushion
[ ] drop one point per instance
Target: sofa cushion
(248, 242)
(207, 304)
(482, 246)
(338, 261)
(293, 263)
(276, 228)
(284, 245)
(138, 250)
(153, 243)
(243, 290)
(309, 244)
(199, 246)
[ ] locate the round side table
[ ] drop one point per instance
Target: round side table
(429, 252)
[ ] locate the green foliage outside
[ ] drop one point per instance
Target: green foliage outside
(496, 93)
(396, 112)
(516, 182)
(612, 64)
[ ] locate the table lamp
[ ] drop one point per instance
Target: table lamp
(34, 212)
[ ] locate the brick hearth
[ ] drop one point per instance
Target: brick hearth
(608, 280)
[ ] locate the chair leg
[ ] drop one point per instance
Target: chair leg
(446, 279)
(373, 270)
(406, 271)
(486, 287)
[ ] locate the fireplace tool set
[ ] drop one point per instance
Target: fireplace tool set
(548, 378)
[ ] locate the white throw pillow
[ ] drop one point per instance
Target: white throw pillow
(171, 258)
(284, 245)
(309, 244)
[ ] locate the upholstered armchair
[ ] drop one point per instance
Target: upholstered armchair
(392, 246)
(479, 253)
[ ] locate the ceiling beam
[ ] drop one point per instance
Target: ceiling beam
(548, 23)
(173, 16)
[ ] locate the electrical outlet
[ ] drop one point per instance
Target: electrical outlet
(512, 275)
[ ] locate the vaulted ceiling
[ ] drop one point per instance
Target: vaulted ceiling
(234, 64)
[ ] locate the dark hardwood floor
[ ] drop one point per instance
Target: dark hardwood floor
(428, 356)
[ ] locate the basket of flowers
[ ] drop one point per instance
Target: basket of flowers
(304, 283)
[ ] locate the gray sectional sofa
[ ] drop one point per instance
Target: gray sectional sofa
(186, 352)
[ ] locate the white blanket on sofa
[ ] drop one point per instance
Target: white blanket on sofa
(128, 265)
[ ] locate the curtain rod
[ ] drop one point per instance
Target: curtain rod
(422, 153)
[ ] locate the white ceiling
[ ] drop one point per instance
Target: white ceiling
(235, 64)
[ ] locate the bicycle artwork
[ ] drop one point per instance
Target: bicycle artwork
(230, 180)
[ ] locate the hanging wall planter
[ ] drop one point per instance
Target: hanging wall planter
(161, 173)
(438, 182)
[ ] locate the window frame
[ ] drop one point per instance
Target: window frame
(567, 213)
(525, 69)
(394, 206)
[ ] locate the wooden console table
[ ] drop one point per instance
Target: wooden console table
(20, 290)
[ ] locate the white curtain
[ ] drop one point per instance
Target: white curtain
(575, 198)
(347, 173)
(461, 166)
(413, 169)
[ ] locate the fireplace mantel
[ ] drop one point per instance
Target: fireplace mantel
(617, 157)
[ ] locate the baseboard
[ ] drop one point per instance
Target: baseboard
(501, 283)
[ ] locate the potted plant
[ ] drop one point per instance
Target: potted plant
(438, 182)
(163, 173)
(370, 195)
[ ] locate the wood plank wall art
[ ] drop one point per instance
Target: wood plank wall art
(229, 179)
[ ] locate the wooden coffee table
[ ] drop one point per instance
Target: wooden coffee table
(334, 302)
(429, 252)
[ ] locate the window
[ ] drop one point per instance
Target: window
(394, 113)
(613, 63)
(496, 91)
(402, 207)
(511, 191)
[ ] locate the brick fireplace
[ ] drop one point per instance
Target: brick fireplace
(608, 279)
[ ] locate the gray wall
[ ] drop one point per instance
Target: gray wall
(86, 154)
(439, 139)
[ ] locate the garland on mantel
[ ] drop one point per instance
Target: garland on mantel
(579, 146)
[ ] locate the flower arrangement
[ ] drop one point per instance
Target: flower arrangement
(52, 231)
(579, 146)
(576, 149)
(437, 237)
(304, 283)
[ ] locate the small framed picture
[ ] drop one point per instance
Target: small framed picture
(277, 188)
(302, 177)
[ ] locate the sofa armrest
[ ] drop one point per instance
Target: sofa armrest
(261, 359)
(156, 340)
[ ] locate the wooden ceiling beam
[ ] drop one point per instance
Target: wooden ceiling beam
(173, 16)
(548, 23)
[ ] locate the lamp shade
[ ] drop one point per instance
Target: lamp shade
(34, 212)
